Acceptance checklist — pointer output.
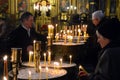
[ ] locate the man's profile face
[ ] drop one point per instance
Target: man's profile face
(96, 21)
(29, 22)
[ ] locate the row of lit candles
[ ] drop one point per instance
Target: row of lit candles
(45, 58)
(56, 66)
(40, 69)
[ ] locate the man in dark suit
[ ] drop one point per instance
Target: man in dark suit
(23, 36)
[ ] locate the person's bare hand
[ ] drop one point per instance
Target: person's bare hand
(82, 74)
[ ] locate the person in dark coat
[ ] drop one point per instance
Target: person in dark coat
(108, 66)
(92, 47)
(24, 35)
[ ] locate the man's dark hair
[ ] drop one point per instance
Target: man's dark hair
(25, 15)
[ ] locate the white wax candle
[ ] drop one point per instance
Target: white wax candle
(34, 48)
(61, 61)
(45, 58)
(49, 57)
(46, 73)
(40, 68)
(70, 58)
(29, 75)
(4, 78)
(5, 66)
(30, 56)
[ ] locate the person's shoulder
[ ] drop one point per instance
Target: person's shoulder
(113, 51)
(16, 30)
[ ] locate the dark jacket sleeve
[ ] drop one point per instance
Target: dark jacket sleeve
(102, 68)
(108, 67)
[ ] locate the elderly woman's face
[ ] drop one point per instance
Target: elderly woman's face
(95, 21)
(102, 40)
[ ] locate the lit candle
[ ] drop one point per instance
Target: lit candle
(54, 65)
(45, 58)
(4, 78)
(34, 51)
(70, 39)
(56, 27)
(65, 40)
(49, 57)
(79, 32)
(57, 37)
(61, 61)
(50, 30)
(29, 75)
(70, 58)
(81, 68)
(46, 73)
(30, 56)
(40, 68)
(5, 66)
(57, 66)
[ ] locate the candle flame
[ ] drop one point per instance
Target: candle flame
(49, 53)
(80, 67)
(61, 60)
(56, 25)
(70, 56)
(40, 68)
(30, 52)
(4, 78)
(47, 69)
(29, 73)
(34, 41)
(44, 54)
(5, 57)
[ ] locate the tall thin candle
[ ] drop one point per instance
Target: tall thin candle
(30, 56)
(45, 58)
(70, 58)
(5, 66)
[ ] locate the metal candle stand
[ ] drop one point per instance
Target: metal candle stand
(16, 61)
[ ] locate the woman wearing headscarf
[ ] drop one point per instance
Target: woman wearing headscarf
(108, 66)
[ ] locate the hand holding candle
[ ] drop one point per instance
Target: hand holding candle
(81, 68)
